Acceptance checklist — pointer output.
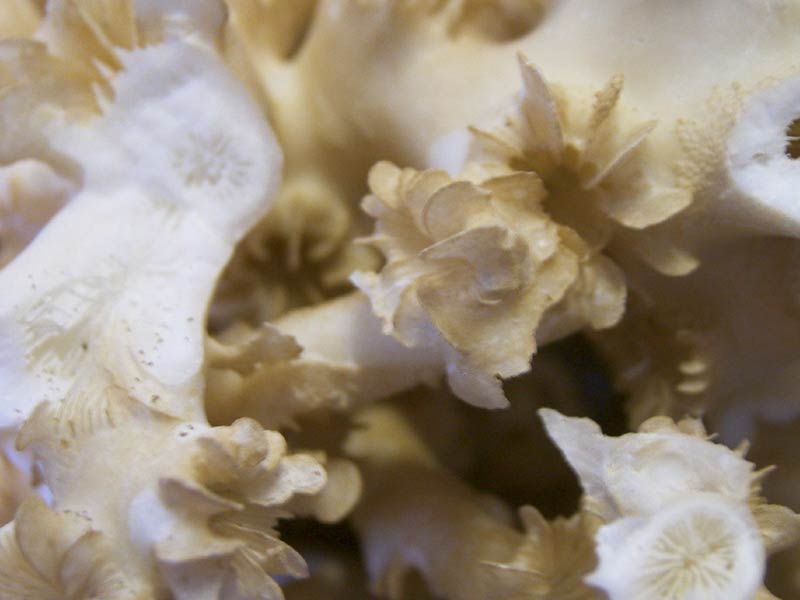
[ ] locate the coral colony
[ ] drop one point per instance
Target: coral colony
(405, 299)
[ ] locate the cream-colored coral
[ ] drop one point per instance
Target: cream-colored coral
(109, 394)
(698, 548)
(302, 253)
(19, 18)
(684, 516)
(17, 485)
(30, 193)
(198, 495)
(552, 561)
(415, 516)
(49, 555)
(663, 360)
(185, 367)
(588, 157)
(305, 362)
(484, 253)
(684, 347)
(494, 261)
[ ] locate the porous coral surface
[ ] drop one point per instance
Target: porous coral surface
(405, 299)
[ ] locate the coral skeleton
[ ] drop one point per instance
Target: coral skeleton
(403, 299)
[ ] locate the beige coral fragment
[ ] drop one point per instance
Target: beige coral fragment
(586, 154)
(19, 18)
(197, 496)
(51, 555)
(687, 513)
(484, 254)
(30, 193)
(103, 342)
(416, 516)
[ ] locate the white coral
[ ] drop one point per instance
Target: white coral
(698, 548)
(136, 156)
(103, 339)
(684, 516)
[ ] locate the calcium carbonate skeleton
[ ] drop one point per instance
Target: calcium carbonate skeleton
(251, 251)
